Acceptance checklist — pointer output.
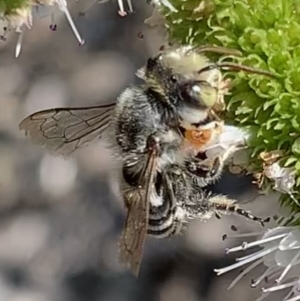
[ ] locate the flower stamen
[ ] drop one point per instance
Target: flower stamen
(63, 7)
(130, 6)
(53, 25)
(255, 256)
(246, 245)
(279, 287)
(19, 43)
(122, 12)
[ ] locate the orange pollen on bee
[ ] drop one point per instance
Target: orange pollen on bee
(199, 138)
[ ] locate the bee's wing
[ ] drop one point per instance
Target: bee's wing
(63, 130)
(134, 234)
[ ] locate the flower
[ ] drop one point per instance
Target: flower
(121, 11)
(20, 18)
(284, 179)
(279, 253)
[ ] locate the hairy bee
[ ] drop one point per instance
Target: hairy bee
(145, 127)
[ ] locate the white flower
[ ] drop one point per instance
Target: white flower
(121, 11)
(284, 179)
(279, 253)
(165, 3)
(22, 18)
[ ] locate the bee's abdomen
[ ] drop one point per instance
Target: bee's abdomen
(165, 222)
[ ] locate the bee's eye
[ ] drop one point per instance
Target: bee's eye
(199, 93)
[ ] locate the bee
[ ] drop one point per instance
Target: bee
(144, 129)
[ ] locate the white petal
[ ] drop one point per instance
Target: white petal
(288, 267)
(291, 241)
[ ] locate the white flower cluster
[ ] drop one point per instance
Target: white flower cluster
(122, 11)
(22, 18)
(279, 253)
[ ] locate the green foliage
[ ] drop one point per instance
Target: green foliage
(8, 7)
(268, 34)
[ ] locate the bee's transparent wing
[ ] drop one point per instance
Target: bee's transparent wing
(135, 231)
(64, 130)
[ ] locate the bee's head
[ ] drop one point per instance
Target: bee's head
(174, 75)
(187, 80)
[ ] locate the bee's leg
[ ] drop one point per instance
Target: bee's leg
(221, 204)
(205, 174)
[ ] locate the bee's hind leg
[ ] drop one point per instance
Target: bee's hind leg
(222, 204)
(204, 206)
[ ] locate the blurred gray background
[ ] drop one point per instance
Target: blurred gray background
(60, 220)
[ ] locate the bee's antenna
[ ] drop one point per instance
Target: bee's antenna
(216, 49)
(235, 67)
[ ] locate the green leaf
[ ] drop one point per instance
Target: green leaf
(279, 61)
(283, 106)
(269, 103)
(296, 147)
(290, 161)
(295, 123)
(291, 82)
(297, 166)
(280, 125)
(269, 123)
(242, 109)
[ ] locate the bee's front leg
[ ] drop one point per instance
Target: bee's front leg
(205, 173)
